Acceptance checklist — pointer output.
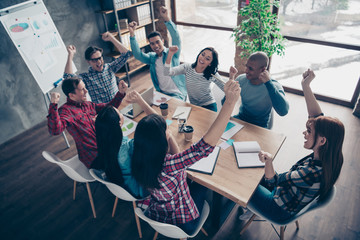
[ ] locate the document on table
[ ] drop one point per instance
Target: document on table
(206, 165)
(160, 98)
(247, 154)
(181, 112)
(231, 129)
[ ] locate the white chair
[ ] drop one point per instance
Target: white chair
(119, 192)
(315, 204)
(173, 231)
(75, 170)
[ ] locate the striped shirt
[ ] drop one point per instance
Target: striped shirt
(198, 87)
(294, 189)
(171, 202)
(79, 121)
(102, 86)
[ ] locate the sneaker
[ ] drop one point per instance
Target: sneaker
(247, 214)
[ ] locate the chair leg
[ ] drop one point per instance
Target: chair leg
(247, 224)
(155, 236)
(74, 191)
(115, 205)
(91, 199)
(282, 230)
(137, 221)
(297, 224)
(203, 230)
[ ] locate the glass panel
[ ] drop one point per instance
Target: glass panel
(336, 69)
(194, 39)
(328, 20)
(222, 13)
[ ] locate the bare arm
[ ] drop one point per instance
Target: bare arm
(312, 105)
(173, 146)
(108, 37)
(71, 52)
(266, 158)
(232, 93)
(172, 51)
(134, 96)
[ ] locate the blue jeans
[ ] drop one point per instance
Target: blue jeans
(211, 106)
(198, 194)
(263, 201)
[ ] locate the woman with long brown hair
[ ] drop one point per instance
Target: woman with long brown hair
(280, 196)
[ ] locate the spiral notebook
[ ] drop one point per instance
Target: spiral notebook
(247, 154)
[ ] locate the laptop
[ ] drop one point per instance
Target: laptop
(133, 110)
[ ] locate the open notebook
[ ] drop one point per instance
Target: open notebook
(206, 165)
(247, 154)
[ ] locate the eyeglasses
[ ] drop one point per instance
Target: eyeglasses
(96, 59)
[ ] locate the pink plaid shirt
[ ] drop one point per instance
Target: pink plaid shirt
(78, 119)
(171, 202)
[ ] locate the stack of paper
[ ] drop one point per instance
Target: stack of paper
(181, 112)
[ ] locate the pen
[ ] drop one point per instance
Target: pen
(177, 115)
(218, 78)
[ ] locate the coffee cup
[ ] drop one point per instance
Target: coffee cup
(188, 131)
(164, 109)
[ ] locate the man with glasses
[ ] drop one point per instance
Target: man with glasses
(260, 93)
(100, 80)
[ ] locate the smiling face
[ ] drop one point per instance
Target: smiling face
(253, 70)
(205, 58)
(157, 45)
(80, 93)
(96, 61)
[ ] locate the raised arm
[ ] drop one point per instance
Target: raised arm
(108, 37)
(312, 105)
(71, 52)
(56, 124)
(164, 13)
(232, 93)
(136, 51)
(172, 51)
(133, 96)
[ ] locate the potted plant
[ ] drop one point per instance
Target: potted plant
(259, 29)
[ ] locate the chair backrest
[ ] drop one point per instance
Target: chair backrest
(314, 204)
(72, 167)
(114, 188)
(174, 231)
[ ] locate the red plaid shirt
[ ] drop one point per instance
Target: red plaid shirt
(79, 120)
(171, 202)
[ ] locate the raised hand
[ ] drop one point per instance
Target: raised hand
(71, 49)
(133, 97)
(308, 76)
(122, 87)
(265, 157)
(54, 97)
(232, 91)
(132, 27)
(107, 36)
(173, 49)
(232, 72)
(164, 13)
(264, 76)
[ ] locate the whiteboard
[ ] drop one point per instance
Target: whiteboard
(39, 43)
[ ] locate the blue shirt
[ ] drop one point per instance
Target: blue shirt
(124, 160)
(258, 100)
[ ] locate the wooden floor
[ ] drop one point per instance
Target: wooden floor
(36, 196)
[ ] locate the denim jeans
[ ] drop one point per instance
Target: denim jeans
(263, 201)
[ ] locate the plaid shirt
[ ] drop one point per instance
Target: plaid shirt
(294, 189)
(78, 119)
(102, 86)
(171, 202)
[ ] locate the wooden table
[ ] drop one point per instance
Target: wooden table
(228, 180)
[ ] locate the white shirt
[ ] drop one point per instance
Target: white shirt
(166, 83)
